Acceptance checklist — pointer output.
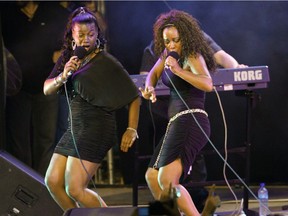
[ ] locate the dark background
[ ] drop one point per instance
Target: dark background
(255, 33)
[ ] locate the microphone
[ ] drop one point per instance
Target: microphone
(173, 80)
(80, 52)
(167, 69)
(173, 54)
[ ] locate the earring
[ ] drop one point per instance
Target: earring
(74, 45)
(97, 43)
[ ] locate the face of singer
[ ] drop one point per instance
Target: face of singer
(172, 40)
(85, 35)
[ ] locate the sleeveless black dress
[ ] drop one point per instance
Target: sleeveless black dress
(183, 138)
(98, 89)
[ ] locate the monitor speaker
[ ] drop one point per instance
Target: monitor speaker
(109, 211)
(23, 191)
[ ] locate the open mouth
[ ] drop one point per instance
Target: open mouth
(87, 47)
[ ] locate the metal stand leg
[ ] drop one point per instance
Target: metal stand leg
(251, 96)
(135, 176)
(110, 168)
(110, 165)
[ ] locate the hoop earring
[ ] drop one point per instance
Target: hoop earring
(73, 44)
(97, 43)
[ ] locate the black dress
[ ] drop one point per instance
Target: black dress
(183, 138)
(99, 88)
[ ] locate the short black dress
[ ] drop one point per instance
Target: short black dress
(183, 138)
(97, 89)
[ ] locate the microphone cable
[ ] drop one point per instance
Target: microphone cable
(207, 137)
(214, 147)
(238, 208)
(75, 144)
(168, 6)
(153, 125)
(226, 164)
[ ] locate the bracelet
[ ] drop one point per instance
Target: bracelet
(62, 79)
(130, 128)
(59, 79)
(56, 83)
(60, 76)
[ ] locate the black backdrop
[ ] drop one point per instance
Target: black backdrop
(255, 33)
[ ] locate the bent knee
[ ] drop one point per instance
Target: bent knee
(151, 175)
(50, 181)
(53, 183)
(74, 191)
(166, 182)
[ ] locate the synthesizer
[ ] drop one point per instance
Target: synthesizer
(248, 78)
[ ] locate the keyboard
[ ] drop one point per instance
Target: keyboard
(248, 78)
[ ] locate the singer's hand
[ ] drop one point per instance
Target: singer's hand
(242, 66)
(172, 64)
(127, 140)
(148, 93)
(71, 66)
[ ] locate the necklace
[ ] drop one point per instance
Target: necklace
(88, 58)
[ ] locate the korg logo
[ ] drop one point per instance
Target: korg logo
(249, 75)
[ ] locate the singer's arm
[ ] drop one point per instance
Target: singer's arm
(195, 72)
(155, 73)
(225, 60)
(52, 85)
(152, 79)
(131, 134)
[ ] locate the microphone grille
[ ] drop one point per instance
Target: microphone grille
(80, 52)
(174, 55)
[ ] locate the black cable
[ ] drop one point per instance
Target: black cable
(75, 144)
(216, 150)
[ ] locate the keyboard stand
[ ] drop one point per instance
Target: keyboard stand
(252, 98)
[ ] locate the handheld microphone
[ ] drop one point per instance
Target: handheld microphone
(80, 52)
(171, 79)
(173, 54)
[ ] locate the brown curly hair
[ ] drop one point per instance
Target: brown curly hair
(191, 36)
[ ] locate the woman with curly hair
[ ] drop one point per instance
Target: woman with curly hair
(88, 77)
(185, 60)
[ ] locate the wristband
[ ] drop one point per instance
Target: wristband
(59, 80)
(56, 82)
(130, 128)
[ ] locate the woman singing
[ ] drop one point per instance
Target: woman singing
(98, 85)
(185, 60)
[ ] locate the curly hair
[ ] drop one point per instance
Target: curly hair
(83, 16)
(191, 36)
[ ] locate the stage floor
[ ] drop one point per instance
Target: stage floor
(117, 195)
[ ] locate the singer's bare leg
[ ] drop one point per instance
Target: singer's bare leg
(168, 174)
(151, 177)
(76, 191)
(77, 180)
(55, 182)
